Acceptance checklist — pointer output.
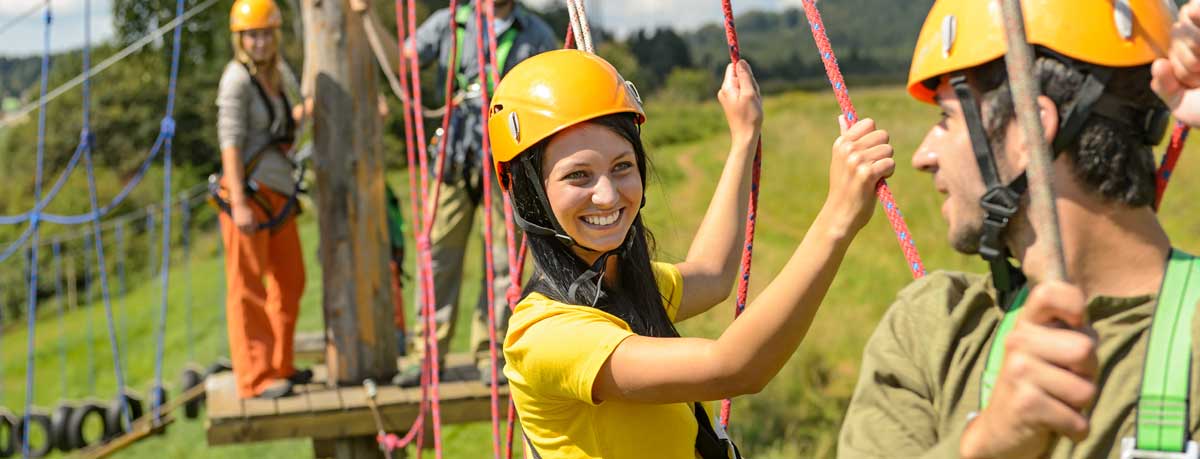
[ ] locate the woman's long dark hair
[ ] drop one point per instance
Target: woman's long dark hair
(635, 297)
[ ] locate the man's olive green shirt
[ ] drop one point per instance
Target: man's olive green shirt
(921, 370)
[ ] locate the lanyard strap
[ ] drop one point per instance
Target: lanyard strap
(1163, 400)
(991, 369)
(503, 46)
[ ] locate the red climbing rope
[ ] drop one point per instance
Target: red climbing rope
(1178, 138)
(423, 217)
(843, 97)
(743, 286)
(482, 19)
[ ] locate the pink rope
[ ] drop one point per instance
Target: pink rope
(484, 16)
(423, 217)
(743, 286)
(1178, 138)
(903, 235)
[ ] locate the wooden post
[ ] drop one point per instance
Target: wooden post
(348, 156)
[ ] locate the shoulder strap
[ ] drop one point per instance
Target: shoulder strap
(991, 368)
(504, 46)
(532, 451)
(1163, 401)
(710, 444)
(288, 135)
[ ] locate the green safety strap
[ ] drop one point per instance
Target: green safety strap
(991, 369)
(504, 46)
(1163, 401)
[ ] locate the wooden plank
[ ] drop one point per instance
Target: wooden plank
(310, 346)
(324, 413)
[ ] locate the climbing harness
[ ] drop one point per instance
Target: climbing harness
(283, 138)
(503, 47)
(1162, 407)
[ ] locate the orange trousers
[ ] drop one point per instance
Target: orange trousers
(264, 275)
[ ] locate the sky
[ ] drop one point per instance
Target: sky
(25, 37)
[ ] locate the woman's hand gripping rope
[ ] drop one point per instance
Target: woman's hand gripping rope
(861, 158)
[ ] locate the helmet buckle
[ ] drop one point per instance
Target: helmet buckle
(999, 204)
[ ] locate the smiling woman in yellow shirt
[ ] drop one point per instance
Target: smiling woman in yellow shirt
(595, 365)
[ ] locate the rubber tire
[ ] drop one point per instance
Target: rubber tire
(163, 397)
(42, 419)
(114, 420)
(8, 428)
(187, 380)
(75, 437)
(60, 423)
(218, 367)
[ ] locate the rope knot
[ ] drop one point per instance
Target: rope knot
(168, 126)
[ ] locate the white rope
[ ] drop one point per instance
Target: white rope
(20, 17)
(579, 25)
(581, 5)
(132, 48)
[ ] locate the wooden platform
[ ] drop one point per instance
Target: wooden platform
(310, 346)
(319, 412)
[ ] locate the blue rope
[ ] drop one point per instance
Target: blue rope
(31, 294)
(17, 245)
(125, 192)
(45, 201)
(88, 299)
(62, 315)
(168, 127)
(108, 309)
(122, 290)
(31, 312)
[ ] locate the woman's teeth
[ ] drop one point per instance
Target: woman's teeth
(603, 220)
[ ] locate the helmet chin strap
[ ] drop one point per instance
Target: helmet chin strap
(597, 269)
(1001, 201)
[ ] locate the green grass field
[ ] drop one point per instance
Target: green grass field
(796, 416)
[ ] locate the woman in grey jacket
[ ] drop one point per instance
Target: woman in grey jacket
(264, 267)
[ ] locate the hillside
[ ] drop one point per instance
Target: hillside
(796, 416)
(18, 74)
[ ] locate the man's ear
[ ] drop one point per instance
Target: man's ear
(1048, 114)
(1017, 158)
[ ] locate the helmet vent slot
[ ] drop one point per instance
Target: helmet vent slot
(1123, 18)
(949, 30)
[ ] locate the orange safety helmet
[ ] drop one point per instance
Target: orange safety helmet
(254, 14)
(961, 34)
(550, 92)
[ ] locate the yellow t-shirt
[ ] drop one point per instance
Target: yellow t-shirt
(554, 352)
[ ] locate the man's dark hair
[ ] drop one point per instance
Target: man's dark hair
(1109, 157)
